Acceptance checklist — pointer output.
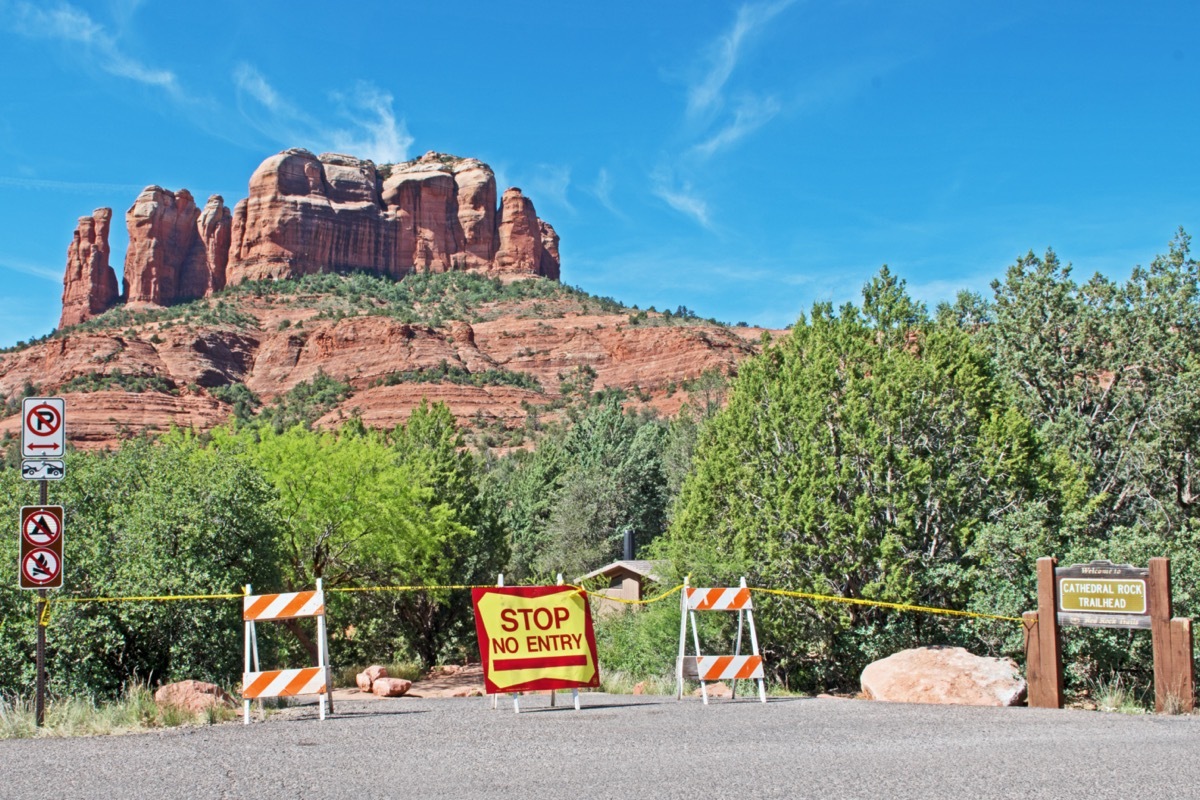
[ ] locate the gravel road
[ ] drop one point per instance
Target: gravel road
(624, 747)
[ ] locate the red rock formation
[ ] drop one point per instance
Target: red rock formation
(90, 284)
(421, 218)
(550, 260)
(297, 222)
(162, 229)
(210, 259)
(476, 213)
(177, 251)
(520, 245)
(649, 361)
(309, 214)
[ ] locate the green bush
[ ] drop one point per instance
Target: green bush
(149, 519)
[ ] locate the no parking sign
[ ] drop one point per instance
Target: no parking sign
(43, 432)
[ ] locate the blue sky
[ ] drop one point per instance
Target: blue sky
(742, 160)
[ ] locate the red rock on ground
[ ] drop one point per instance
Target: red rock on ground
(363, 681)
(90, 284)
(390, 687)
(944, 675)
(194, 696)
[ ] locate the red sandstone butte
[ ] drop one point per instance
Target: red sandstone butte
(90, 284)
(520, 246)
(177, 252)
(308, 214)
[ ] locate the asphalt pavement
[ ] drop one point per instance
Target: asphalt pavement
(626, 747)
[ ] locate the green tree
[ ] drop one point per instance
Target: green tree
(857, 457)
(430, 447)
(170, 518)
(1110, 374)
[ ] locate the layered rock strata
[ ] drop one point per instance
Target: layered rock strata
(176, 251)
(90, 284)
(308, 214)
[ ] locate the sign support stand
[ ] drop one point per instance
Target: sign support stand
(1102, 594)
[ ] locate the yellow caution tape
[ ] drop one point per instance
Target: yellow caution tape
(856, 601)
(654, 599)
(44, 613)
(411, 588)
(149, 598)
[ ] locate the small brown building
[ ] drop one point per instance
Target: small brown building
(627, 580)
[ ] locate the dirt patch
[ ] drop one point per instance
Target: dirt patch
(450, 680)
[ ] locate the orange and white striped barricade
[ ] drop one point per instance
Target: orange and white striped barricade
(258, 683)
(717, 668)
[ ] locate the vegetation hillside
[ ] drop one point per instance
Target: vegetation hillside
(881, 451)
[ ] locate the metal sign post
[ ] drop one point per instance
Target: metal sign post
(43, 448)
(40, 703)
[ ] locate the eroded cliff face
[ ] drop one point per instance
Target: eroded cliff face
(177, 252)
(308, 214)
(90, 284)
(285, 340)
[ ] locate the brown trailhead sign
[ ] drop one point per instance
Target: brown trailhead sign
(41, 560)
(1103, 595)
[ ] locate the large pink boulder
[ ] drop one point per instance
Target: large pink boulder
(390, 687)
(366, 679)
(195, 696)
(944, 675)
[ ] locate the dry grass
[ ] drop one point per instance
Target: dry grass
(134, 711)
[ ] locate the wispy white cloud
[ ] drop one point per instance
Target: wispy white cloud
(67, 186)
(551, 182)
(602, 190)
(752, 113)
(66, 23)
(717, 118)
(372, 130)
(683, 198)
(375, 132)
(725, 52)
(29, 268)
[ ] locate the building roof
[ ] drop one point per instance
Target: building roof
(643, 569)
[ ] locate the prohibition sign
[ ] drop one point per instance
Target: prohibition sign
(41, 527)
(43, 420)
(41, 566)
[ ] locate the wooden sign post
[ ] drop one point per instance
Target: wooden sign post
(1106, 595)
